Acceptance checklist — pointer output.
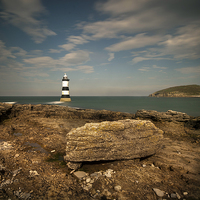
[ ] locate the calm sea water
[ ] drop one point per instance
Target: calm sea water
(129, 104)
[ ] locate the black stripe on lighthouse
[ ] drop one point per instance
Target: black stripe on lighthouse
(65, 88)
(65, 96)
(65, 79)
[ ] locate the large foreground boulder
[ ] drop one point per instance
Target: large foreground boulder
(118, 140)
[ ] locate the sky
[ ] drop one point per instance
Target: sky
(106, 47)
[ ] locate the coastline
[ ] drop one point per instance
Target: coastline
(33, 144)
(119, 104)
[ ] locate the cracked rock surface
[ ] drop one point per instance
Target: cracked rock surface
(118, 140)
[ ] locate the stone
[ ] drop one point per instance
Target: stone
(33, 173)
(88, 180)
(80, 174)
(87, 187)
(15, 172)
(158, 192)
(108, 173)
(106, 192)
(74, 165)
(2, 168)
(162, 116)
(185, 193)
(16, 155)
(178, 196)
(116, 140)
(117, 188)
(173, 195)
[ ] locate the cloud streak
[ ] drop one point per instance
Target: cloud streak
(22, 14)
(140, 40)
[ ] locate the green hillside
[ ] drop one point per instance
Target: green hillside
(178, 91)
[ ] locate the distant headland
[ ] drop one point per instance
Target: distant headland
(178, 91)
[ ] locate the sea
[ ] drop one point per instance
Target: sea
(128, 104)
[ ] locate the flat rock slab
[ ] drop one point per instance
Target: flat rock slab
(117, 140)
(80, 174)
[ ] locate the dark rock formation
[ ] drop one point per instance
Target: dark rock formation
(54, 111)
(118, 140)
(163, 116)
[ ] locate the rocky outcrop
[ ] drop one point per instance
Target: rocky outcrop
(33, 143)
(163, 116)
(118, 140)
(172, 94)
(63, 112)
(5, 110)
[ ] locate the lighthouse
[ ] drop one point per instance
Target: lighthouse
(65, 89)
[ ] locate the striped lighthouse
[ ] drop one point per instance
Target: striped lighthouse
(65, 89)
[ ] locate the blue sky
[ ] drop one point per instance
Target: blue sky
(106, 47)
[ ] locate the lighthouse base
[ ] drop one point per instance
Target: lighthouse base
(65, 99)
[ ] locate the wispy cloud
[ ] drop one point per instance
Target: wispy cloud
(65, 63)
(77, 39)
(86, 69)
(144, 69)
(128, 17)
(158, 67)
(189, 70)
(140, 40)
(111, 56)
(22, 14)
(68, 46)
(73, 42)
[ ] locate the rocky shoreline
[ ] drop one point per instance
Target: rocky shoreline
(33, 146)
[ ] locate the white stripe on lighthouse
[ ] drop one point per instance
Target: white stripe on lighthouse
(65, 83)
(65, 92)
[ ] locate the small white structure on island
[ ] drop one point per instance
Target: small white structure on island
(65, 89)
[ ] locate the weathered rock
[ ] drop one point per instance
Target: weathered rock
(117, 188)
(54, 111)
(80, 174)
(163, 116)
(74, 165)
(118, 140)
(158, 192)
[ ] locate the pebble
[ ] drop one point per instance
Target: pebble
(88, 180)
(80, 174)
(117, 188)
(185, 193)
(33, 173)
(106, 192)
(143, 165)
(16, 155)
(178, 196)
(2, 168)
(158, 192)
(108, 173)
(15, 172)
(87, 187)
(173, 195)
(5, 145)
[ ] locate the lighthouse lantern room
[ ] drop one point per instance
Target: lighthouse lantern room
(65, 89)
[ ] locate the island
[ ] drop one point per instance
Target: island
(178, 91)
